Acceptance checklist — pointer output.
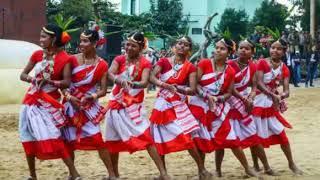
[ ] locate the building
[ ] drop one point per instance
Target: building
(198, 11)
(22, 19)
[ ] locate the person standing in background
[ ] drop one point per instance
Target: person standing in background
(312, 64)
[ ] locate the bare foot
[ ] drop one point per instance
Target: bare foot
(270, 172)
(31, 178)
(205, 175)
(251, 172)
(218, 173)
(295, 169)
(162, 177)
(257, 168)
(110, 178)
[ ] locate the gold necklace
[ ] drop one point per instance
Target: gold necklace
(275, 64)
(91, 60)
(216, 68)
(242, 64)
(176, 65)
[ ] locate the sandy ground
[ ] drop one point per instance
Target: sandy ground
(303, 113)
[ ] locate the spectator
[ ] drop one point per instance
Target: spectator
(302, 44)
(296, 59)
(255, 37)
(289, 62)
(151, 57)
(293, 40)
(312, 65)
(284, 36)
(163, 53)
(308, 43)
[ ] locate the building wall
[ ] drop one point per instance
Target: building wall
(125, 6)
(141, 6)
(23, 19)
(197, 17)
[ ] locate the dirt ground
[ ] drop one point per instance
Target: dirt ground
(303, 113)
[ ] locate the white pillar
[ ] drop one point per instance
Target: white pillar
(312, 18)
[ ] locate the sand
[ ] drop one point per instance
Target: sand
(303, 113)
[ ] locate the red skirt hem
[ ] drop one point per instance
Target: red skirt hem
(250, 141)
(46, 149)
(275, 139)
(94, 142)
(204, 145)
(227, 144)
(132, 145)
(180, 143)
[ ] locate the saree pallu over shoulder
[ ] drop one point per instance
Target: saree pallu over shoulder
(127, 128)
(83, 131)
(41, 115)
(171, 119)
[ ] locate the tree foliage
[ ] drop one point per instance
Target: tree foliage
(81, 9)
(52, 10)
(271, 14)
(234, 21)
(167, 18)
(304, 13)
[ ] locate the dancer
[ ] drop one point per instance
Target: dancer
(89, 83)
(127, 128)
(241, 102)
(269, 102)
(171, 120)
(41, 115)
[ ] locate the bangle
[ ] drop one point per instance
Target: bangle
(121, 82)
(115, 80)
(161, 84)
(135, 85)
(221, 98)
(68, 97)
(186, 90)
(201, 94)
(94, 96)
(57, 83)
(29, 79)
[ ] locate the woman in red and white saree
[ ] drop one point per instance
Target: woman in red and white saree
(241, 102)
(41, 115)
(216, 80)
(127, 127)
(269, 102)
(84, 113)
(171, 120)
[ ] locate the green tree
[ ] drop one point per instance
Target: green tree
(235, 21)
(271, 14)
(167, 18)
(82, 10)
(52, 10)
(106, 12)
(304, 13)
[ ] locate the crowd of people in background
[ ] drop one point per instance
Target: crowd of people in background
(302, 56)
